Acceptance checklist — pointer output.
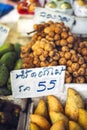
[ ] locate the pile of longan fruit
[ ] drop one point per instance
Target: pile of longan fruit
(53, 44)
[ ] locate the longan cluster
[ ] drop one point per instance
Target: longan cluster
(82, 49)
(55, 32)
(27, 55)
(45, 53)
(75, 66)
(53, 44)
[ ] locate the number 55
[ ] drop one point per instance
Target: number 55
(43, 86)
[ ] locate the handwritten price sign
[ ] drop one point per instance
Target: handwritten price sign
(38, 81)
(43, 14)
(4, 30)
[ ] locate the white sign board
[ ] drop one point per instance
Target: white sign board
(43, 14)
(37, 82)
(4, 30)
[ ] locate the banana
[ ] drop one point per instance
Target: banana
(9, 59)
(6, 48)
(4, 75)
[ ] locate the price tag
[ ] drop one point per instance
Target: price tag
(37, 81)
(4, 30)
(43, 14)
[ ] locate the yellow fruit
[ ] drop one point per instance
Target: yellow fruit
(31, 7)
(82, 119)
(74, 126)
(54, 104)
(58, 126)
(81, 2)
(74, 101)
(41, 121)
(33, 126)
(41, 109)
(58, 116)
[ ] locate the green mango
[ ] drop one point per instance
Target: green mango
(9, 84)
(18, 64)
(0, 62)
(4, 75)
(4, 91)
(17, 48)
(6, 48)
(9, 59)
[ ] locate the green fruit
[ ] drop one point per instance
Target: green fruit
(4, 75)
(9, 59)
(6, 48)
(18, 64)
(65, 5)
(4, 91)
(52, 4)
(57, 0)
(17, 48)
(9, 84)
(0, 62)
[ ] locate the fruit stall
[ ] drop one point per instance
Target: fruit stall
(43, 65)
